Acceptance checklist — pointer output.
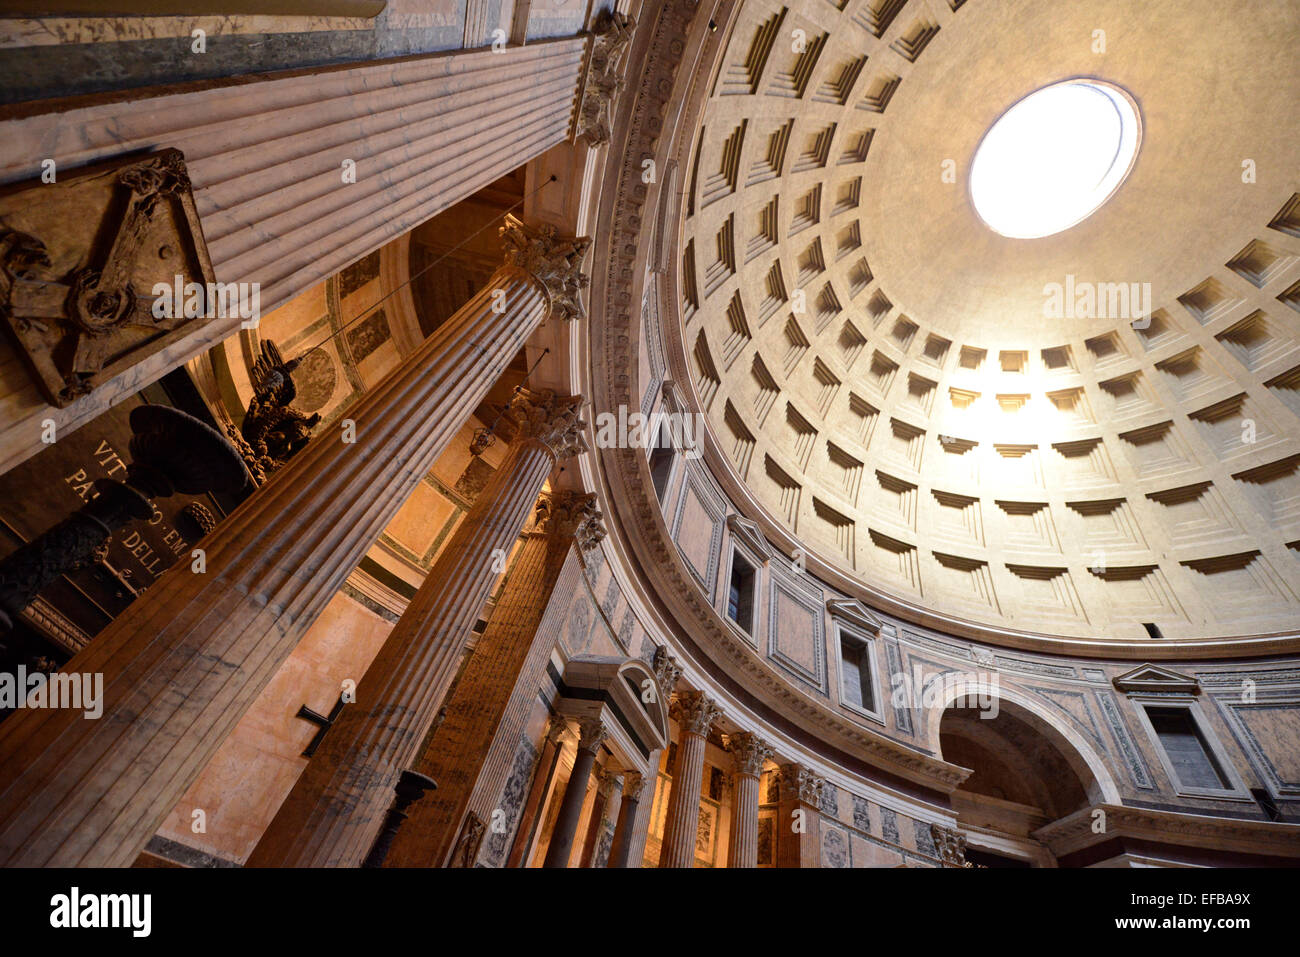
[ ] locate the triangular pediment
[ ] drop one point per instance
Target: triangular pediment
(1149, 677)
(752, 536)
(855, 613)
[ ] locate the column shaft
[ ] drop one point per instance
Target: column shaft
(331, 816)
(621, 847)
(575, 792)
(744, 822)
(684, 803)
(471, 752)
(182, 665)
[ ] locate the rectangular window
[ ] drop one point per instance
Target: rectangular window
(1189, 754)
(855, 674)
(661, 462)
(740, 594)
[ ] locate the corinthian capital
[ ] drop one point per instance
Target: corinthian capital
(951, 844)
(800, 784)
(696, 712)
(555, 420)
(748, 751)
(553, 260)
(573, 515)
(611, 35)
(666, 670)
(591, 734)
(633, 785)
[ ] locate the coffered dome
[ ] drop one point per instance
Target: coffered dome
(1091, 433)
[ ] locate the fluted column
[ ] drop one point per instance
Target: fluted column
(621, 848)
(332, 814)
(592, 735)
(798, 832)
(696, 713)
(298, 174)
(471, 752)
(182, 666)
(748, 751)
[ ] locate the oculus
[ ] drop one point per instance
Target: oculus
(1054, 158)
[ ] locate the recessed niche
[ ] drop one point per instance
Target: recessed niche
(1106, 350)
(782, 490)
(707, 379)
(904, 443)
(1287, 219)
(850, 343)
(1058, 359)
(742, 76)
(936, 348)
(811, 263)
(1209, 301)
(1049, 591)
(882, 372)
(774, 294)
(1195, 514)
(772, 162)
(1260, 263)
(1156, 450)
(1244, 583)
(738, 334)
(1013, 361)
(767, 389)
(847, 196)
(895, 499)
(875, 16)
(878, 307)
(1108, 526)
(1072, 404)
(845, 472)
(742, 440)
(807, 211)
(1126, 396)
(858, 145)
(1138, 593)
(802, 435)
(1275, 489)
(957, 517)
(961, 399)
(920, 393)
(839, 82)
(765, 234)
(723, 266)
(826, 385)
(1084, 463)
(903, 331)
(1287, 388)
(879, 92)
(1191, 374)
(1017, 465)
(796, 344)
(859, 277)
(848, 239)
(894, 559)
(964, 580)
(1256, 341)
(914, 39)
(825, 308)
(1234, 427)
(816, 151)
(1029, 526)
(723, 181)
(1012, 401)
(791, 78)
(971, 358)
(865, 416)
(837, 527)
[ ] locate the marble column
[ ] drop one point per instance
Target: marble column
(182, 665)
(696, 713)
(620, 850)
(542, 778)
(269, 160)
(748, 751)
(332, 814)
(592, 735)
(473, 750)
(798, 825)
(606, 785)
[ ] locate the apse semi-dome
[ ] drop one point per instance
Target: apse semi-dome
(1094, 433)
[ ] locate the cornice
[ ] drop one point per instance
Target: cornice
(1077, 831)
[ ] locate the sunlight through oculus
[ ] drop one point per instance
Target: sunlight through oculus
(1054, 158)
